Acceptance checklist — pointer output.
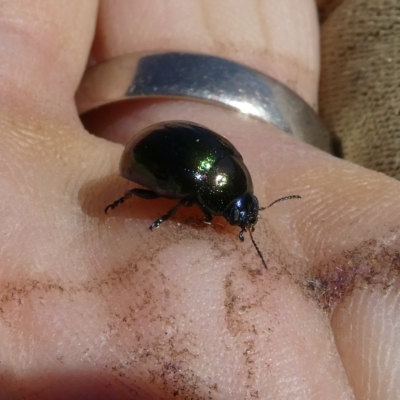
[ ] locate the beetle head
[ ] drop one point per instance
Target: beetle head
(243, 211)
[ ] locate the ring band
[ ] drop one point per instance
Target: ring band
(202, 78)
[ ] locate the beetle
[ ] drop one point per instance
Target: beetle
(188, 162)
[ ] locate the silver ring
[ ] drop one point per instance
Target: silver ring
(202, 78)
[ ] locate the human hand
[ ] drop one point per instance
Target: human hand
(96, 306)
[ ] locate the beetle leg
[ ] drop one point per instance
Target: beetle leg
(169, 214)
(207, 217)
(143, 193)
(241, 237)
(187, 202)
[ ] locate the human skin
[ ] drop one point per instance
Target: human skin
(96, 306)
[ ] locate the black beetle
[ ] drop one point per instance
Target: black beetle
(186, 161)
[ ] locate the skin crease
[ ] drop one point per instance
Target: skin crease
(97, 307)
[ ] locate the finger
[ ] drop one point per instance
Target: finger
(363, 324)
(47, 47)
(44, 51)
(338, 193)
(252, 33)
(269, 155)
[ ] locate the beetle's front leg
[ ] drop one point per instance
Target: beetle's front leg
(170, 213)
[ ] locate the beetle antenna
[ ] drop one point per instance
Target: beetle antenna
(293, 196)
(258, 250)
